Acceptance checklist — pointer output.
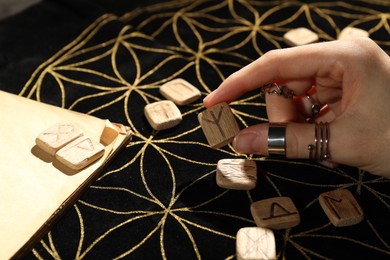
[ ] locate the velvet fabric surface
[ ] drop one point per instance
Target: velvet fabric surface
(158, 199)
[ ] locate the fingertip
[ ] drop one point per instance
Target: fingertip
(251, 140)
(207, 101)
(215, 97)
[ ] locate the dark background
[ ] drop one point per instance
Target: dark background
(158, 198)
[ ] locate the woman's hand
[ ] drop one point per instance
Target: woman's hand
(351, 78)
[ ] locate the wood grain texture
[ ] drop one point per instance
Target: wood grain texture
(35, 192)
(341, 208)
(275, 213)
(162, 115)
(255, 243)
(80, 153)
(180, 91)
(57, 136)
(236, 174)
(219, 125)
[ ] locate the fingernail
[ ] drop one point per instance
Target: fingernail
(248, 142)
(208, 96)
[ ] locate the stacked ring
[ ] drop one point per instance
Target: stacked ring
(320, 149)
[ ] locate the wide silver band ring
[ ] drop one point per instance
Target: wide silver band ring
(277, 139)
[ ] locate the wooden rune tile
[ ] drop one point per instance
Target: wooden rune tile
(351, 33)
(300, 36)
(255, 243)
(219, 125)
(236, 174)
(180, 92)
(57, 136)
(341, 208)
(162, 114)
(275, 213)
(80, 153)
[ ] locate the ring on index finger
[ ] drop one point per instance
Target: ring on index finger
(274, 88)
(315, 107)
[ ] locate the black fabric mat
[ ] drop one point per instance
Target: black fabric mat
(159, 199)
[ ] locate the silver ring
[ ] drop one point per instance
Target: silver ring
(315, 107)
(320, 149)
(274, 88)
(277, 138)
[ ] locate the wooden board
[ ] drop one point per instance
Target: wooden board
(35, 189)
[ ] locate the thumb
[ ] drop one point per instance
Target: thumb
(254, 140)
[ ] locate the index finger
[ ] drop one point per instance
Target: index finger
(281, 65)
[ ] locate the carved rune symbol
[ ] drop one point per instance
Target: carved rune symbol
(215, 120)
(341, 207)
(179, 87)
(162, 109)
(237, 170)
(61, 131)
(331, 202)
(277, 207)
(254, 245)
(334, 204)
(86, 145)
